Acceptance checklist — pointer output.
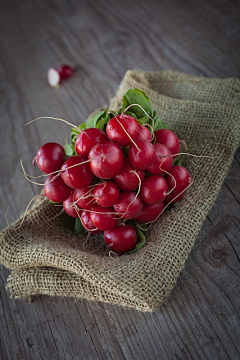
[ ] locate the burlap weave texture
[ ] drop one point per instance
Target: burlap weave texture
(47, 260)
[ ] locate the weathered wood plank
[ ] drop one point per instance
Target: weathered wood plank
(102, 40)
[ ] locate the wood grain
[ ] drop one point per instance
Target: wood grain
(102, 40)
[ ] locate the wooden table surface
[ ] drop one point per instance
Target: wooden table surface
(103, 39)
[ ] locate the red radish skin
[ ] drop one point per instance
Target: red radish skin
(173, 197)
(182, 178)
(106, 194)
(55, 189)
(121, 239)
(55, 76)
(163, 161)
(123, 207)
(87, 224)
(168, 138)
(84, 198)
(103, 218)
(50, 157)
(126, 179)
(87, 139)
(78, 176)
(107, 160)
(150, 213)
(116, 126)
(69, 208)
(154, 189)
(144, 133)
(142, 154)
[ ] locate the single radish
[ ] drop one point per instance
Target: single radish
(121, 239)
(144, 133)
(142, 154)
(173, 197)
(87, 139)
(50, 157)
(70, 209)
(179, 178)
(84, 198)
(106, 193)
(55, 189)
(55, 76)
(163, 161)
(154, 189)
(129, 205)
(122, 128)
(127, 179)
(168, 138)
(75, 174)
(86, 222)
(106, 159)
(103, 218)
(150, 213)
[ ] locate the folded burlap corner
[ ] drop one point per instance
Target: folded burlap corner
(47, 260)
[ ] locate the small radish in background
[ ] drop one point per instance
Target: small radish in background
(87, 139)
(103, 218)
(154, 189)
(169, 139)
(50, 157)
(150, 213)
(127, 179)
(129, 205)
(55, 76)
(86, 222)
(69, 208)
(163, 161)
(84, 198)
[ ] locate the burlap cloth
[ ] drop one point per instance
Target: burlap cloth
(47, 260)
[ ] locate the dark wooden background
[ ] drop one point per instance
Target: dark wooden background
(103, 39)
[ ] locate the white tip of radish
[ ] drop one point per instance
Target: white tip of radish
(53, 77)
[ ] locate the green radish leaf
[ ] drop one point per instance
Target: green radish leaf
(81, 126)
(159, 124)
(143, 120)
(177, 162)
(66, 222)
(136, 96)
(141, 241)
(92, 123)
(68, 150)
(78, 227)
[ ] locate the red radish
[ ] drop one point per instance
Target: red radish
(55, 189)
(145, 134)
(106, 193)
(69, 208)
(129, 205)
(142, 154)
(150, 213)
(84, 198)
(50, 157)
(182, 178)
(103, 218)
(154, 189)
(87, 139)
(55, 76)
(121, 127)
(168, 138)
(163, 161)
(173, 198)
(126, 179)
(106, 159)
(77, 176)
(86, 222)
(121, 239)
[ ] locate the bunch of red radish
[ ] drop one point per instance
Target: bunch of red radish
(125, 173)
